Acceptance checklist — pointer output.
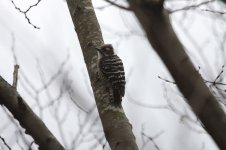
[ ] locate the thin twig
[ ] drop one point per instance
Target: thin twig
(191, 6)
(16, 66)
(218, 76)
(105, 6)
(152, 139)
(3, 140)
(31, 145)
(26, 11)
(214, 11)
(166, 80)
(119, 6)
(222, 70)
(15, 76)
(13, 48)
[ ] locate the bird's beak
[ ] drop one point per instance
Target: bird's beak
(98, 49)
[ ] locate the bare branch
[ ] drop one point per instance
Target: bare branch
(76, 102)
(156, 23)
(191, 6)
(166, 80)
(117, 5)
(152, 138)
(13, 49)
(31, 145)
(26, 11)
(4, 142)
(214, 11)
(218, 76)
(105, 6)
(15, 76)
(27, 118)
(58, 72)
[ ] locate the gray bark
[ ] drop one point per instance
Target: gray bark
(156, 23)
(117, 128)
(27, 118)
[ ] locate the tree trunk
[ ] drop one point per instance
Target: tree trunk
(156, 23)
(117, 128)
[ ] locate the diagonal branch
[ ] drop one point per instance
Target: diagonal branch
(192, 6)
(117, 5)
(160, 33)
(27, 118)
(4, 142)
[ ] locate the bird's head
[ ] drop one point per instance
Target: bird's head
(106, 50)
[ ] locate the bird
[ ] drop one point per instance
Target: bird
(111, 67)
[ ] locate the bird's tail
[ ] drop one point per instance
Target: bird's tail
(117, 98)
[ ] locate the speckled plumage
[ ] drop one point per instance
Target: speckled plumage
(111, 67)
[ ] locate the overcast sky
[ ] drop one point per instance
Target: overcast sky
(49, 46)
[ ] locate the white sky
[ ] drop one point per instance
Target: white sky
(56, 38)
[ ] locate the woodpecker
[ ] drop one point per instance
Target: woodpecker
(111, 67)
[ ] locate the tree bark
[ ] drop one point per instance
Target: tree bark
(27, 118)
(156, 23)
(117, 128)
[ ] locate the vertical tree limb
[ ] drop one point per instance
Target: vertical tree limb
(117, 128)
(156, 23)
